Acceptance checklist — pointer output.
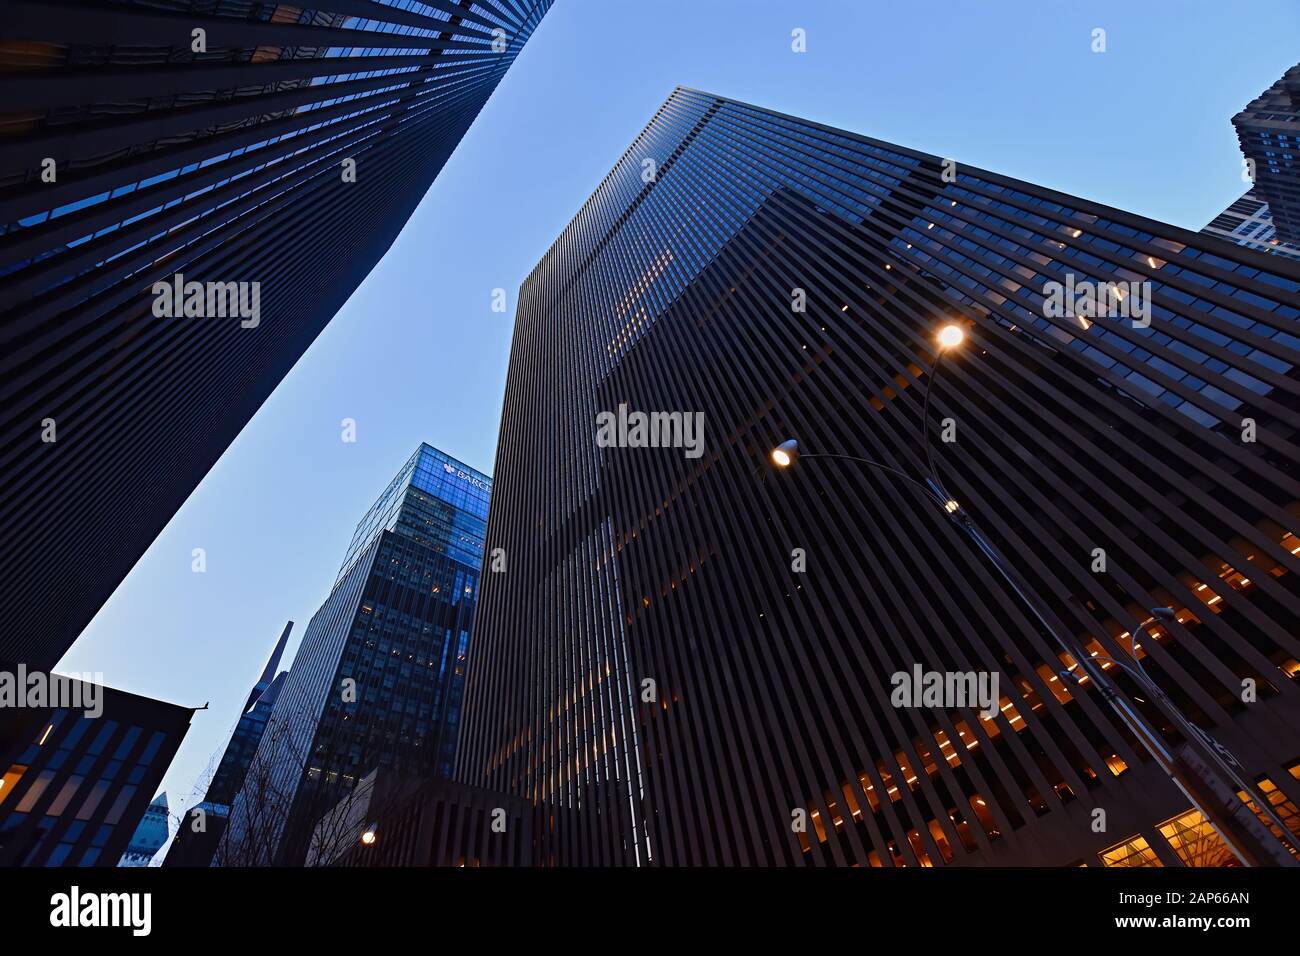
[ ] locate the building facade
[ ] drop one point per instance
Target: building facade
(203, 824)
(379, 677)
(427, 822)
(189, 190)
(693, 657)
(1269, 132)
(1249, 222)
(150, 834)
(80, 772)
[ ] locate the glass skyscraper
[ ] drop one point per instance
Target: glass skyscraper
(691, 658)
(378, 679)
(204, 823)
(189, 190)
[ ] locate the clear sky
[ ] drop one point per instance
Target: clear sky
(417, 354)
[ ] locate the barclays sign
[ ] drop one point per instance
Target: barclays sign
(451, 469)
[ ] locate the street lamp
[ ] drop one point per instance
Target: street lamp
(370, 835)
(1241, 830)
(1200, 743)
(784, 454)
(950, 336)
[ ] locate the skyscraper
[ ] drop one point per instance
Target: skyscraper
(189, 190)
(1249, 222)
(695, 658)
(378, 679)
(201, 828)
(150, 834)
(1269, 132)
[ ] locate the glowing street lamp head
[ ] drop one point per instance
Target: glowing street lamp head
(784, 454)
(370, 835)
(950, 336)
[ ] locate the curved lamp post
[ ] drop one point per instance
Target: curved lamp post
(1241, 830)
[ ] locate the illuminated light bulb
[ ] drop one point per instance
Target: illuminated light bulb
(950, 336)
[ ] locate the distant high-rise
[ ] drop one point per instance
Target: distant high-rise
(77, 778)
(150, 834)
(1249, 222)
(378, 678)
(693, 657)
(1269, 132)
(189, 190)
(200, 831)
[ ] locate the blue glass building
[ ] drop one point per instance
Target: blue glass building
(378, 680)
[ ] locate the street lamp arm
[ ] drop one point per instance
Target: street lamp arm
(929, 492)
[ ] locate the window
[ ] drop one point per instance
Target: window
(35, 790)
(1134, 851)
(10, 780)
(1196, 842)
(91, 803)
(65, 796)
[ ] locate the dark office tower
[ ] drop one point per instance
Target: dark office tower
(427, 822)
(82, 762)
(378, 679)
(201, 828)
(1249, 222)
(691, 648)
(1269, 132)
(255, 159)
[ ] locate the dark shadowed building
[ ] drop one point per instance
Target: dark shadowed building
(690, 659)
(259, 158)
(1269, 132)
(391, 820)
(78, 780)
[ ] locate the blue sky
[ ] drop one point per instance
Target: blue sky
(417, 354)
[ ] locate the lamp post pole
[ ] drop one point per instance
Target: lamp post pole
(1192, 767)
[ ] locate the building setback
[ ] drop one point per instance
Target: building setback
(1269, 132)
(78, 780)
(266, 153)
(1249, 222)
(201, 828)
(688, 656)
(379, 677)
